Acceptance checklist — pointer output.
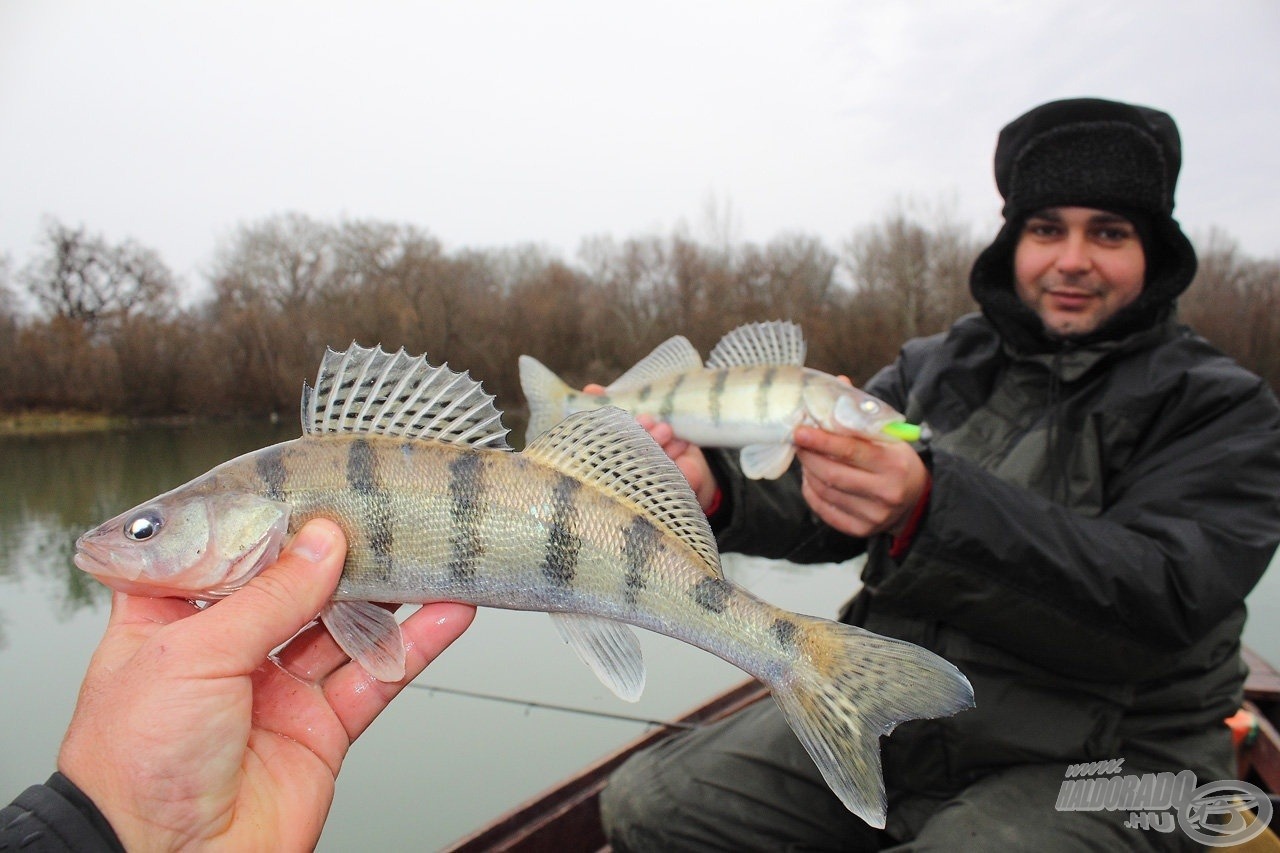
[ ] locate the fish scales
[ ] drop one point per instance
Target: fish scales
(591, 523)
(485, 525)
(752, 402)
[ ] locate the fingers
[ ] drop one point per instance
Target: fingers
(312, 655)
(357, 698)
(856, 450)
(837, 516)
(856, 484)
(140, 610)
(430, 631)
(241, 630)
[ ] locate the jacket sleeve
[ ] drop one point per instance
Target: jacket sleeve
(56, 817)
(1190, 525)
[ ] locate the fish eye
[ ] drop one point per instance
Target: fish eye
(869, 407)
(142, 526)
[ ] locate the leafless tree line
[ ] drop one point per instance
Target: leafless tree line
(108, 334)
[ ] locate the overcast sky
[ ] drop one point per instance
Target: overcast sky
(500, 123)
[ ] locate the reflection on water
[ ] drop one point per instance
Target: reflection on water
(434, 766)
(53, 488)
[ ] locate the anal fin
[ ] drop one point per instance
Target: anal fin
(611, 649)
(370, 636)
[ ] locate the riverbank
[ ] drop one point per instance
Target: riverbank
(27, 423)
(46, 423)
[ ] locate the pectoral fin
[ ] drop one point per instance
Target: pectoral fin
(611, 649)
(370, 636)
(767, 461)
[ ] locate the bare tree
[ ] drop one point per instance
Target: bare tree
(8, 335)
(82, 278)
(1235, 303)
(284, 261)
(916, 271)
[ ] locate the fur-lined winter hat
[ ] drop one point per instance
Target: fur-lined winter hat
(1088, 152)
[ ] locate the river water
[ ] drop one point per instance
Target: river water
(436, 765)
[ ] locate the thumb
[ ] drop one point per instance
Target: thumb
(247, 626)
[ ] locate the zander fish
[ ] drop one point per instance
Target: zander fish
(591, 522)
(752, 394)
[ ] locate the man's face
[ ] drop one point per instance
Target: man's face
(1077, 266)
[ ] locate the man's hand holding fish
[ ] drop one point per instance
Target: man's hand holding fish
(189, 732)
(860, 485)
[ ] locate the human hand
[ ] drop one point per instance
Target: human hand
(688, 457)
(189, 733)
(857, 484)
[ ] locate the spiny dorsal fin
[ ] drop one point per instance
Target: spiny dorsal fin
(371, 391)
(607, 449)
(774, 342)
(672, 356)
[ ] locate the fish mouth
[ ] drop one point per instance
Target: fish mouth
(92, 558)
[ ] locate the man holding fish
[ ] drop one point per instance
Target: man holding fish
(1100, 492)
(1099, 497)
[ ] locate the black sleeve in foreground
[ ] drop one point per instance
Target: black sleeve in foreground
(55, 817)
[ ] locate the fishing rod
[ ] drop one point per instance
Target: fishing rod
(551, 706)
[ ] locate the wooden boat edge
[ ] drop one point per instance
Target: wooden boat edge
(566, 817)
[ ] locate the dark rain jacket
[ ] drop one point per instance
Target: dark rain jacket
(1098, 514)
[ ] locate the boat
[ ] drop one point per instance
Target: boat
(566, 818)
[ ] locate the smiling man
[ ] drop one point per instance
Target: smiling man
(1101, 493)
(1076, 267)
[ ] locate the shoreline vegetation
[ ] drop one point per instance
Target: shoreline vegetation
(101, 328)
(35, 423)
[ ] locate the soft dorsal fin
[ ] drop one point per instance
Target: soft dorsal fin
(774, 342)
(371, 391)
(607, 449)
(672, 356)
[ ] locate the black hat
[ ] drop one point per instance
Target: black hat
(1089, 152)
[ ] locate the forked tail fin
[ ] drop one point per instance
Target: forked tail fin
(848, 688)
(546, 394)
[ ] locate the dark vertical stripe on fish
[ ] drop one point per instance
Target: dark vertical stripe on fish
(668, 407)
(645, 391)
(762, 394)
(563, 541)
(466, 511)
(717, 391)
(785, 633)
(270, 467)
(640, 544)
(362, 477)
(713, 594)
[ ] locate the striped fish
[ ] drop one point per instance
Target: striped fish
(752, 393)
(591, 522)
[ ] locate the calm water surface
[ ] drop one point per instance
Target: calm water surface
(434, 766)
